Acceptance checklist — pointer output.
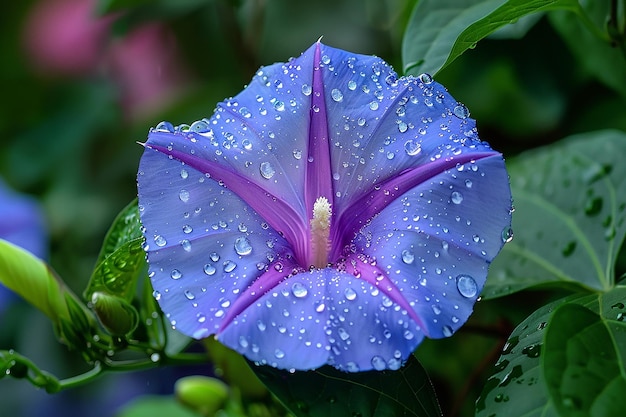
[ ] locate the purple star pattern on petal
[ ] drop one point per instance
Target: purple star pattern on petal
(331, 213)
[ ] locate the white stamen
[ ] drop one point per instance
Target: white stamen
(320, 232)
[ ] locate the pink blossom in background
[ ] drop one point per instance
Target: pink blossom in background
(146, 66)
(66, 38)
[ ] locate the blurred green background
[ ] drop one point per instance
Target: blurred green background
(80, 89)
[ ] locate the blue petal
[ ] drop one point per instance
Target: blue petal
(324, 317)
(435, 241)
(205, 244)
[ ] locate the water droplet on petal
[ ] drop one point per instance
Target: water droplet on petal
(425, 78)
(247, 144)
(374, 105)
(175, 274)
(229, 266)
(407, 257)
(447, 331)
(279, 354)
(336, 95)
(299, 290)
(379, 363)
(466, 286)
(242, 246)
(351, 85)
(456, 197)
(507, 234)
(183, 195)
(412, 147)
(306, 89)
(160, 240)
(186, 244)
(461, 111)
(209, 269)
(189, 295)
(267, 170)
(350, 294)
(214, 256)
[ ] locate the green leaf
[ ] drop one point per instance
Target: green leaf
(570, 201)
(439, 31)
(328, 392)
(516, 388)
(520, 383)
(584, 362)
(589, 43)
(122, 259)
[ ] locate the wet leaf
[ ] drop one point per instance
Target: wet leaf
(524, 373)
(328, 392)
(584, 362)
(439, 31)
(569, 219)
(122, 260)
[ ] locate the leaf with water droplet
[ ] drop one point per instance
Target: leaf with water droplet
(121, 260)
(330, 392)
(584, 366)
(523, 371)
(439, 31)
(565, 236)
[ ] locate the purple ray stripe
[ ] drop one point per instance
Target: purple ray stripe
(278, 214)
(378, 278)
(318, 181)
(275, 274)
(359, 212)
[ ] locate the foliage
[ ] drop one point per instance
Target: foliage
(546, 81)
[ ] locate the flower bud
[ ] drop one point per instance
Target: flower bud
(202, 394)
(116, 315)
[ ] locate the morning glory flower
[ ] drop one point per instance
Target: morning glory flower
(330, 213)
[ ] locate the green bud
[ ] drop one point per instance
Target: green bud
(116, 315)
(31, 278)
(202, 394)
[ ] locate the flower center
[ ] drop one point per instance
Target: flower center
(320, 232)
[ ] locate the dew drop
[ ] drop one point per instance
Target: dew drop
(306, 89)
(461, 111)
(183, 195)
(189, 295)
(184, 174)
(407, 257)
(229, 266)
(186, 244)
(209, 269)
(507, 234)
(279, 105)
(320, 307)
(374, 105)
(279, 354)
(412, 147)
(267, 170)
(242, 246)
(247, 144)
(466, 286)
(456, 197)
(214, 256)
(447, 331)
(187, 229)
(336, 95)
(297, 154)
(175, 274)
(350, 294)
(351, 85)
(426, 78)
(379, 363)
(160, 240)
(299, 290)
